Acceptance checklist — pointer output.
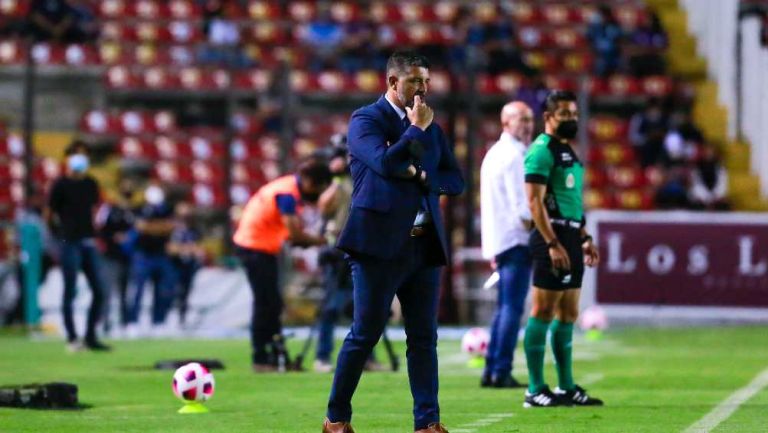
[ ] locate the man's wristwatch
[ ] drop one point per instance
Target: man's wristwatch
(553, 243)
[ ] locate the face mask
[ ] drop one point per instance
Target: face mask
(154, 195)
(77, 163)
(567, 129)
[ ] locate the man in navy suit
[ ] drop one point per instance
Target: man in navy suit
(401, 163)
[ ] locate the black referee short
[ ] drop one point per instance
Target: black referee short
(545, 276)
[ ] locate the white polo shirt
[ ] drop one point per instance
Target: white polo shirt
(503, 202)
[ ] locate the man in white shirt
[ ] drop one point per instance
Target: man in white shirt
(506, 221)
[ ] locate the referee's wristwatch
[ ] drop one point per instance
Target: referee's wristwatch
(553, 243)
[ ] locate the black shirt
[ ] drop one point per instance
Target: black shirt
(152, 244)
(72, 203)
(54, 11)
(118, 220)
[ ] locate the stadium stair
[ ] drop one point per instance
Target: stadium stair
(709, 115)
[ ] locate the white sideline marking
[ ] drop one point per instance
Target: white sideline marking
(727, 407)
(474, 426)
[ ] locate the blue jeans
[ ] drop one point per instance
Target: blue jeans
(376, 282)
(76, 255)
(159, 268)
(514, 268)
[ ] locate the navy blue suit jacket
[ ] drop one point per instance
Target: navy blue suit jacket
(384, 206)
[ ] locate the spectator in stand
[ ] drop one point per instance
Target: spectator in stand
(55, 21)
(682, 141)
(604, 35)
(357, 48)
(86, 23)
(534, 94)
(150, 260)
(116, 221)
(673, 193)
(323, 38)
(648, 42)
(501, 47)
(187, 254)
(647, 130)
(709, 181)
(223, 34)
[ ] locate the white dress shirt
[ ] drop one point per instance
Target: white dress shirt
(503, 202)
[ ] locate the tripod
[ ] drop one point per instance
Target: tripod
(332, 258)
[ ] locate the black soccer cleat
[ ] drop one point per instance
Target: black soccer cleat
(578, 397)
(97, 346)
(544, 398)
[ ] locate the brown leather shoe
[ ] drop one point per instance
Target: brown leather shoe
(433, 428)
(337, 427)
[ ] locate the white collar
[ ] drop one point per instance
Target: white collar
(397, 109)
(508, 138)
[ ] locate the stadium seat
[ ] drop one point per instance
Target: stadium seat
(11, 52)
(634, 199)
(115, 8)
(121, 77)
(172, 172)
(207, 195)
(244, 150)
(599, 199)
(99, 122)
(207, 172)
(302, 11)
(626, 177)
(240, 194)
(183, 10)
(595, 178)
(134, 147)
(607, 128)
(14, 8)
(264, 10)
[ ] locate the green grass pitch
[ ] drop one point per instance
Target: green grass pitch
(653, 380)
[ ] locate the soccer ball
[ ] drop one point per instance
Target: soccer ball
(593, 318)
(193, 383)
(475, 342)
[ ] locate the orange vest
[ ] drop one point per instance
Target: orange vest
(261, 225)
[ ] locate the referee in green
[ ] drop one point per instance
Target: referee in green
(560, 245)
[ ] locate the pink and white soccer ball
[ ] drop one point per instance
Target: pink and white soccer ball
(193, 382)
(475, 342)
(593, 317)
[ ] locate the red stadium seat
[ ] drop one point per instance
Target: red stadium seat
(204, 148)
(385, 12)
(657, 86)
(302, 11)
(167, 148)
(249, 173)
(621, 85)
(263, 10)
(246, 124)
(120, 77)
(14, 8)
(560, 82)
(184, 32)
(629, 16)
(417, 12)
(47, 54)
(595, 178)
(150, 55)
(533, 38)
(345, 11)
(183, 9)
(446, 11)
(207, 195)
(79, 55)
(264, 32)
(270, 147)
(605, 128)
(599, 199)
(134, 147)
(526, 14)
(99, 122)
(11, 52)
(545, 61)
(159, 78)
(116, 9)
(577, 62)
(164, 121)
(634, 199)
(207, 172)
(369, 81)
(151, 9)
(617, 153)
(558, 14)
(172, 172)
(240, 194)
(112, 53)
(135, 122)
(245, 150)
(627, 177)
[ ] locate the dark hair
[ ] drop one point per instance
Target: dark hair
(76, 146)
(400, 60)
(556, 96)
(316, 171)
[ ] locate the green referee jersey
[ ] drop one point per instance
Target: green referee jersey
(552, 162)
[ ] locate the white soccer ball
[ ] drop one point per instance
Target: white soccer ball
(593, 317)
(193, 382)
(475, 342)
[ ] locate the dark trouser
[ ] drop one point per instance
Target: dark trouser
(76, 255)
(185, 270)
(376, 282)
(116, 272)
(261, 269)
(159, 268)
(514, 268)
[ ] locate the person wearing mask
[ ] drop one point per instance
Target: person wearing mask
(272, 217)
(72, 205)
(605, 34)
(187, 254)
(115, 221)
(150, 260)
(647, 130)
(506, 221)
